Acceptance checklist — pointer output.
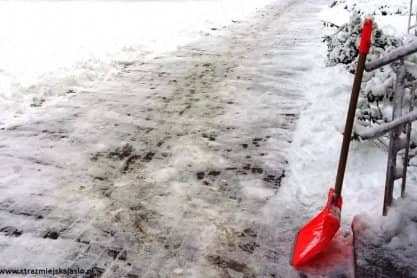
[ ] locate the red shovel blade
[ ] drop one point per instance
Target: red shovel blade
(317, 234)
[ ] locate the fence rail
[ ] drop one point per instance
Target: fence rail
(380, 130)
(391, 57)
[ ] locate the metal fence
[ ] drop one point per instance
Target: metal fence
(401, 124)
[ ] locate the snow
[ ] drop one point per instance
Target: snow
(395, 236)
(399, 7)
(174, 142)
(151, 161)
(79, 43)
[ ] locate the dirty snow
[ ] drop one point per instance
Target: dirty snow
(194, 161)
(165, 167)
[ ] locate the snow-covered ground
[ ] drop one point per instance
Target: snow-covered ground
(176, 147)
(79, 43)
(164, 167)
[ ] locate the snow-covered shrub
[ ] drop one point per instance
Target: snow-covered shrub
(384, 7)
(343, 45)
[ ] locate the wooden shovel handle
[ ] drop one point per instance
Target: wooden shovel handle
(363, 51)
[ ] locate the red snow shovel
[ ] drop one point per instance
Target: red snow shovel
(317, 234)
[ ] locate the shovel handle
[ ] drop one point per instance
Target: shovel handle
(363, 51)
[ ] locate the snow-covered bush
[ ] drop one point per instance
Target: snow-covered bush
(384, 7)
(343, 45)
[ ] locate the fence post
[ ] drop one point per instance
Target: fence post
(409, 16)
(392, 174)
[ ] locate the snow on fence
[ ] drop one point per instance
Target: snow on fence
(393, 56)
(379, 131)
(400, 126)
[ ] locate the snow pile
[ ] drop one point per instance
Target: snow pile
(389, 244)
